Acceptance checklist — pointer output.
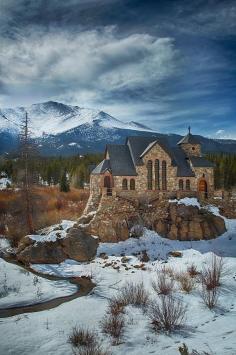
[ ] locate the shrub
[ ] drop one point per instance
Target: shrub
(134, 294)
(85, 342)
(91, 350)
(116, 306)
(167, 313)
(209, 296)
(114, 326)
(211, 274)
(81, 337)
(183, 349)
(163, 285)
(192, 271)
(186, 282)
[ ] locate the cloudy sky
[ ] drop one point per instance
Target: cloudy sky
(166, 63)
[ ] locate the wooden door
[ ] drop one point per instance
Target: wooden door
(202, 187)
(108, 185)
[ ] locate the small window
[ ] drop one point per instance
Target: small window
(193, 148)
(132, 184)
(124, 184)
(187, 184)
(181, 184)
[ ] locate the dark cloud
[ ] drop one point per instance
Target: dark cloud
(166, 63)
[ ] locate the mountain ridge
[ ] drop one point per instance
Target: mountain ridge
(61, 129)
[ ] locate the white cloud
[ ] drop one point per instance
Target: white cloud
(91, 61)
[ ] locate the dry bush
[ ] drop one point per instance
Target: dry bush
(134, 294)
(81, 337)
(186, 282)
(164, 285)
(113, 325)
(50, 206)
(192, 270)
(167, 313)
(210, 296)
(116, 306)
(212, 273)
(85, 342)
(91, 350)
(183, 349)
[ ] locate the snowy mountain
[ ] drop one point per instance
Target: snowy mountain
(52, 118)
(60, 129)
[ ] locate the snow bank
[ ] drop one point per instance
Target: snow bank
(187, 201)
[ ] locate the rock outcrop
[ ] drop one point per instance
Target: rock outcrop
(77, 245)
(112, 220)
(115, 217)
(189, 223)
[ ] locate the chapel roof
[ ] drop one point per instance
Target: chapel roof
(189, 139)
(122, 159)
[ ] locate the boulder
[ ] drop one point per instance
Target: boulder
(77, 245)
(188, 223)
(41, 253)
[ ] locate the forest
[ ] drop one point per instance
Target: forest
(52, 171)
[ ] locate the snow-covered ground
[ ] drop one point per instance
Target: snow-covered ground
(19, 287)
(207, 330)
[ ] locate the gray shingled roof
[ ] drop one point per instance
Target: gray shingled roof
(120, 160)
(190, 139)
(102, 167)
(124, 157)
(140, 146)
(183, 166)
(201, 162)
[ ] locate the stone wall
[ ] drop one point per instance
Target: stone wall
(141, 188)
(191, 149)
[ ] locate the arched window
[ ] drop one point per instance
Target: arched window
(181, 184)
(187, 184)
(157, 174)
(164, 180)
(149, 175)
(132, 184)
(124, 184)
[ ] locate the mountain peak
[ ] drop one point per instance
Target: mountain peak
(52, 117)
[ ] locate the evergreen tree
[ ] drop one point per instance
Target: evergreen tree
(64, 182)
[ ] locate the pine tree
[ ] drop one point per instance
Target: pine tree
(64, 182)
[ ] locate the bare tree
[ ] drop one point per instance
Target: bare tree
(26, 148)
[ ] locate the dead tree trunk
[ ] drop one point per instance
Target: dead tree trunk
(27, 188)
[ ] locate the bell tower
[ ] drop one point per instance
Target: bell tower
(190, 144)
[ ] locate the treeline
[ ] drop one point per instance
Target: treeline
(225, 170)
(53, 170)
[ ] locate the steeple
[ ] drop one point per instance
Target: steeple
(190, 144)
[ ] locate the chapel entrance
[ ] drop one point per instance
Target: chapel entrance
(202, 187)
(108, 185)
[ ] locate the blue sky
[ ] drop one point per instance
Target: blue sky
(166, 64)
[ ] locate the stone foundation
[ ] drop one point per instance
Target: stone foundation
(115, 217)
